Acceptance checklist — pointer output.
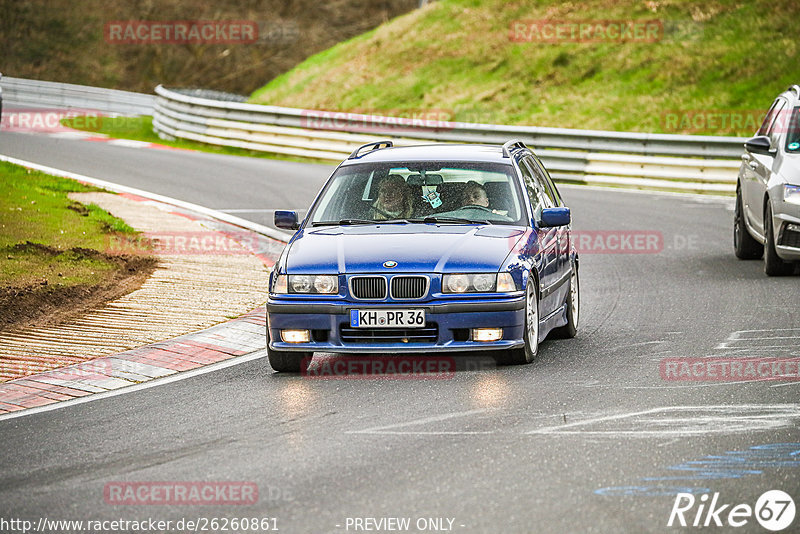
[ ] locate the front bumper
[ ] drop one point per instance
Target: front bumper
(452, 319)
(787, 241)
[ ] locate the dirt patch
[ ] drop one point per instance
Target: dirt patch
(42, 303)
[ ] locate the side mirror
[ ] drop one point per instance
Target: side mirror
(759, 145)
(286, 220)
(555, 217)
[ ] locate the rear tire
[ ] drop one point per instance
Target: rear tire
(744, 245)
(286, 361)
(570, 329)
(527, 353)
(773, 265)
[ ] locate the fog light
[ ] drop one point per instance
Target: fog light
(487, 334)
(295, 336)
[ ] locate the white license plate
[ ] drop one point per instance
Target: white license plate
(387, 318)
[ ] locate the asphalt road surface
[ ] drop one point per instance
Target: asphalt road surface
(589, 438)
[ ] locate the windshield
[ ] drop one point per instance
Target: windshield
(448, 192)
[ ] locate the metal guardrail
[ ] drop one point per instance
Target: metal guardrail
(21, 92)
(672, 162)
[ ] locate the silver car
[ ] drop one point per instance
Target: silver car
(767, 216)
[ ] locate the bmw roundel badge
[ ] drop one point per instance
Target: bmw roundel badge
(391, 264)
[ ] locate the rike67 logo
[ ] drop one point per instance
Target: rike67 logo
(774, 510)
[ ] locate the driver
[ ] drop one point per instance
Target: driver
(394, 199)
(475, 195)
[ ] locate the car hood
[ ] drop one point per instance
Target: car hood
(415, 248)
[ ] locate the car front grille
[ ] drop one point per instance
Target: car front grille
(790, 238)
(429, 334)
(368, 287)
(409, 287)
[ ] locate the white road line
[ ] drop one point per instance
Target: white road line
(593, 420)
(688, 386)
(246, 210)
(743, 339)
(138, 387)
(720, 419)
(129, 143)
(785, 384)
(423, 421)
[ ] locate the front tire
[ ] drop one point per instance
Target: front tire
(529, 352)
(570, 329)
(744, 245)
(773, 265)
(286, 361)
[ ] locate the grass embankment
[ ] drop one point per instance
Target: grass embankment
(53, 259)
(725, 60)
(141, 129)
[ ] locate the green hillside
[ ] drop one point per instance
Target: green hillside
(712, 62)
(70, 41)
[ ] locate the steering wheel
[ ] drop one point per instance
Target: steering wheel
(476, 207)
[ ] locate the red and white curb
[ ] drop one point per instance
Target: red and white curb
(237, 337)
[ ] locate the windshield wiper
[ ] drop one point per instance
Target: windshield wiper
(449, 220)
(344, 222)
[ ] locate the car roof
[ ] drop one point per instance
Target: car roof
(434, 152)
(792, 94)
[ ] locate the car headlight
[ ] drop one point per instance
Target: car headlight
(325, 284)
(791, 193)
(478, 283)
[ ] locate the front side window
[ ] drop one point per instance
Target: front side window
(793, 133)
(770, 116)
(536, 190)
(373, 192)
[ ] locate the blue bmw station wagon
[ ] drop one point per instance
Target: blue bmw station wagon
(423, 249)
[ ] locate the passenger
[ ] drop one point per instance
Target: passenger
(475, 195)
(394, 199)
